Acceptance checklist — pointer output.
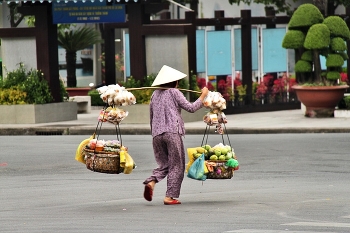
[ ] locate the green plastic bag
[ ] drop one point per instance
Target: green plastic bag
(196, 171)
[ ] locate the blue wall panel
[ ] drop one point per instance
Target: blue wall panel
(274, 55)
(238, 49)
(200, 50)
(219, 53)
(127, 55)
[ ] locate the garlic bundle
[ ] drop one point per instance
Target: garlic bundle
(214, 101)
(112, 115)
(212, 118)
(116, 115)
(217, 119)
(116, 95)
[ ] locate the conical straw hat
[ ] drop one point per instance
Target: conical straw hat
(167, 75)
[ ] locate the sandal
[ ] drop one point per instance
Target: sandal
(148, 193)
(173, 202)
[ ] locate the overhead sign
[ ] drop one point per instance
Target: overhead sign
(87, 12)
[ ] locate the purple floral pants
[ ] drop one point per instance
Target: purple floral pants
(169, 154)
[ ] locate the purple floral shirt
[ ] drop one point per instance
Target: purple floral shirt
(165, 111)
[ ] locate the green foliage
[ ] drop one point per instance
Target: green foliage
(333, 75)
(242, 91)
(293, 39)
(37, 88)
(194, 86)
(73, 40)
(31, 83)
(14, 78)
(148, 80)
(314, 84)
(337, 27)
(183, 84)
(347, 102)
(344, 103)
(30, 20)
(318, 37)
(344, 55)
(325, 37)
(303, 66)
(95, 98)
(334, 60)
(307, 56)
(338, 44)
(142, 96)
(63, 91)
(131, 82)
(305, 16)
(12, 95)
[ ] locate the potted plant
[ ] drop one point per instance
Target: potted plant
(26, 98)
(313, 36)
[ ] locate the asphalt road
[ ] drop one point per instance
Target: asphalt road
(286, 183)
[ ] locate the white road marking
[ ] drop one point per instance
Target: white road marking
(318, 224)
(271, 231)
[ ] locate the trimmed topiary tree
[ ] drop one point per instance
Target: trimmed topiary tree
(314, 36)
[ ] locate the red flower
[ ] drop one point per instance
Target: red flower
(344, 77)
(222, 84)
(261, 90)
(201, 82)
(210, 86)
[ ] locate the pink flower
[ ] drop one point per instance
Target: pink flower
(201, 82)
(344, 77)
(210, 86)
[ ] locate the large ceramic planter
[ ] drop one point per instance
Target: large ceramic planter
(320, 101)
(38, 113)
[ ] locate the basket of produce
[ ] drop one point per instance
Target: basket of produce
(108, 156)
(102, 161)
(220, 160)
(105, 156)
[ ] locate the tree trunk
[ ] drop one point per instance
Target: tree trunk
(71, 58)
(317, 66)
(297, 56)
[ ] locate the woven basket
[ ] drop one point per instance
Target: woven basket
(102, 161)
(220, 170)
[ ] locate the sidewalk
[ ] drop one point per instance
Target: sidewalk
(289, 121)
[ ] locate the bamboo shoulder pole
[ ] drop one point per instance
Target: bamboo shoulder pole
(144, 88)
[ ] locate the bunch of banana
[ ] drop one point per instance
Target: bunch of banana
(79, 155)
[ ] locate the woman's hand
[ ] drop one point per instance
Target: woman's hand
(205, 92)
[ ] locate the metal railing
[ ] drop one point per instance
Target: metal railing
(267, 102)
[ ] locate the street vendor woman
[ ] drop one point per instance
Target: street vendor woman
(167, 128)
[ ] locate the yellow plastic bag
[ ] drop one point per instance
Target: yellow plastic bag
(126, 162)
(191, 159)
(122, 158)
(129, 164)
(79, 155)
(205, 168)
